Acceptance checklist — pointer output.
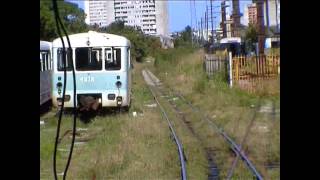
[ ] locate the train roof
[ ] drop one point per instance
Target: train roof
(45, 45)
(93, 39)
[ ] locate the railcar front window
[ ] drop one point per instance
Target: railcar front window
(68, 59)
(88, 59)
(113, 58)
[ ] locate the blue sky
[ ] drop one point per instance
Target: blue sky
(180, 12)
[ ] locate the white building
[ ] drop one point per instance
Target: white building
(245, 17)
(150, 15)
(278, 15)
(99, 12)
(270, 12)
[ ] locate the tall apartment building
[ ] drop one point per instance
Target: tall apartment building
(252, 13)
(150, 16)
(100, 13)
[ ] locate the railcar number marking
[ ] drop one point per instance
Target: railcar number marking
(87, 79)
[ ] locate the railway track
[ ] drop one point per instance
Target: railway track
(212, 167)
(232, 144)
(179, 145)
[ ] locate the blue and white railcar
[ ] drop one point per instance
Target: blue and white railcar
(102, 68)
(45, 71)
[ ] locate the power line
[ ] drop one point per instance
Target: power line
(195, 16)
(59, 23)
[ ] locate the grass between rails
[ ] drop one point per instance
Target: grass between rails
(229, 108)
(119, 147)
(196, 162)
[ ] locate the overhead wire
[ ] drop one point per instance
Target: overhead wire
(69, 57)
(74, 102)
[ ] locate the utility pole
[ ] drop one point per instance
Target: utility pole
(267, 14)
(201, 30)
(196, 31)
(223, 19)
(191, 24)
(261, 29)
(206, 23)
(195, 15)
(211, 22)
(199, 26)
(235, 18)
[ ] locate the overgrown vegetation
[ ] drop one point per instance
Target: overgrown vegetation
(169, 57)
(230, 108)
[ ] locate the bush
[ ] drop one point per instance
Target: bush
(142, 45)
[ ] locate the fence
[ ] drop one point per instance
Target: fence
(247, 72)
(255, 67)
(213, 64)
(250, 72)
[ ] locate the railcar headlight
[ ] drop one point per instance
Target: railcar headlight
(118, 84)
(119, 100)
(59, 85)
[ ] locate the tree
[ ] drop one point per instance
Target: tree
(71, 16)
(187, 34)
(47, 22)
(141, 45)
(251, 37)
(185, 37)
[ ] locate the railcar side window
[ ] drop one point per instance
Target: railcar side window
(113, 58)
(68, 59)
(44, 61)
(88, 59)
(48, 61)
(40, 62)
(129, 58)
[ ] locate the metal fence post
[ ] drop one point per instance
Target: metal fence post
(230, 69)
